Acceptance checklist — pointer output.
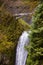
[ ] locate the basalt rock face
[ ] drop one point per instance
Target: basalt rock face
(35, 49)
(10, 31)
(20, 6)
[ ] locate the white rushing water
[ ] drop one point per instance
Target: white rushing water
(21, 53)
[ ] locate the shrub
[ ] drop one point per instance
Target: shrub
(35, 49)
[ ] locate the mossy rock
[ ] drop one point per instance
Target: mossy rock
(10, 31)
(6, 51)
(11, 27)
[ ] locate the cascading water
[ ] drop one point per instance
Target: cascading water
(21, 53)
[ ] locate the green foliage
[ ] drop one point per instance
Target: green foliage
(35, 49)
(11, 27)
(6, 51)
(10, 31)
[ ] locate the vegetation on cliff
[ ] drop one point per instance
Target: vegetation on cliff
(10, 26)
(6, 51)
(10, 31)
(35, 49)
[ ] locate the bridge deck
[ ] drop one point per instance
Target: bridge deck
(22, 14)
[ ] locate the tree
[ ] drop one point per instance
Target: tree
(35, 49)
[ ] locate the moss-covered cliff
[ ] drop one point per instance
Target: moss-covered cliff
(6, 51)
(10, 31)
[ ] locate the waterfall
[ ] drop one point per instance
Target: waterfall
(21, 53)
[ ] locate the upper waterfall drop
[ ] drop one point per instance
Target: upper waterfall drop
(21, 53)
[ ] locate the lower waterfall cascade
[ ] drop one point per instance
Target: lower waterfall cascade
(21, 53)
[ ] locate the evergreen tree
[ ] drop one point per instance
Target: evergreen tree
(35, 49)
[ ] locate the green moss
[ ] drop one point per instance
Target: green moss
(11, 27)
(6, 51)
(10, 31)
(24, 24)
